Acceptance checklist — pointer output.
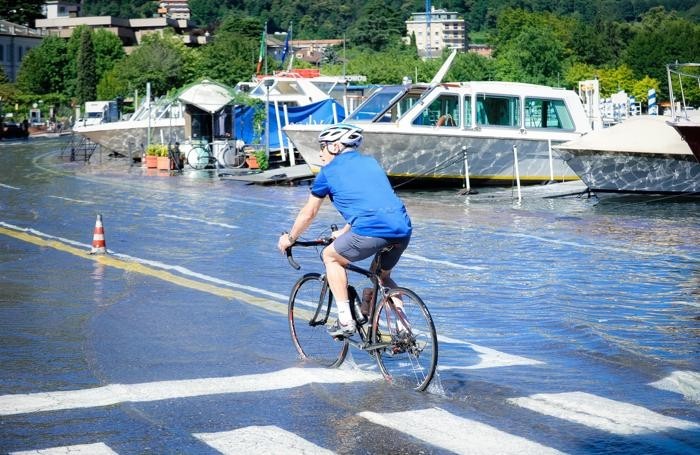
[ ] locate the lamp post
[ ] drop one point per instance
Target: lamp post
(268, 83)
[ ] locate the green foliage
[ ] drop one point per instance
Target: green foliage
(3, 76)
(660, 38)
(22, 12)
(378, 27)
(157, 150)
(261, 157)
(164, 61)
(43, 68)
(86, 76)
(232, 56)
(108, 51)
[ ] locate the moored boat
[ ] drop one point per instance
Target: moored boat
(641, 155)
(424, 132)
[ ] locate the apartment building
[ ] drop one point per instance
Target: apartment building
(439, 30)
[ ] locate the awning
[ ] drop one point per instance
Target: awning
(206, 95)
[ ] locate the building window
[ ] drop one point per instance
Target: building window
(19, 53)
(2, 53)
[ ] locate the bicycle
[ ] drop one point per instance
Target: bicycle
(393, 324)
(226, 155)
(200, 157)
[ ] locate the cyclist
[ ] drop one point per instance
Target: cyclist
(376, 218)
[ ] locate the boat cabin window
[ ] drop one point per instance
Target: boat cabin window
(442, 112)
(386, 105)
(493, 110)
(547, 113)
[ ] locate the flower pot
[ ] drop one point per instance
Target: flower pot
(163, 163)
(252, 162)
(151, 161)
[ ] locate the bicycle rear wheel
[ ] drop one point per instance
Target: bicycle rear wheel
(233, 157)
(403, 323)
(311, 310)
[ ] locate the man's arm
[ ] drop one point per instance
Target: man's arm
(303, 221)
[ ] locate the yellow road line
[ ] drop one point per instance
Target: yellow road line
(129, 266)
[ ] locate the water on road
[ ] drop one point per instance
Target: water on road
(566, 324)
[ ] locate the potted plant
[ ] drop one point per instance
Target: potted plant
(152, 152)
(257, 159)
(163, 158)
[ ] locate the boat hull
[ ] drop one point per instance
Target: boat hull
(132, 136)
(440, 158)
(629, 172)
(690, 132)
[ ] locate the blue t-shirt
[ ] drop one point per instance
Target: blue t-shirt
(361, 192)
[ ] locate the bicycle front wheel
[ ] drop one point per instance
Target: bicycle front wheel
(198, 157)
(403, 324)
(311, 310)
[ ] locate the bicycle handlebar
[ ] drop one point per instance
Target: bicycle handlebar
(324, 241)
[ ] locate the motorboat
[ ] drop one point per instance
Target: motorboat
(684, 120)
(162, 120)
(689, 130)
(643, 154)
(302, 87)
(443, 133)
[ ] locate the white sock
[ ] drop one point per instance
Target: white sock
(344, 314)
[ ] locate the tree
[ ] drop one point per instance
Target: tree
(206, 13)
(535, 55)
(661, 38)
(86, 71)
(22, 12)
(163, 60)
(43, 68)
(108, 51)
(378, 27)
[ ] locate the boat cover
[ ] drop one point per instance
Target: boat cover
(315, 113)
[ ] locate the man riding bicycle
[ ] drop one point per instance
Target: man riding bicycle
(376, 218)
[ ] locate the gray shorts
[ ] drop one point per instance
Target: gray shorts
(355, 247)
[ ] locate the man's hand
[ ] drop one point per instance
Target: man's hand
(284, 242)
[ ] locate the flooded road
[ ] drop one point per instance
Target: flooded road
(566, 325)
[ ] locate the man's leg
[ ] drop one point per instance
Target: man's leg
(338, 282)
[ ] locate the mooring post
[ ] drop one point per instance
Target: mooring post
(516, 170)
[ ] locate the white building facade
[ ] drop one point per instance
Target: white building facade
(437, 31)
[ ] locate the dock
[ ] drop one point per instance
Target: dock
(289, 175)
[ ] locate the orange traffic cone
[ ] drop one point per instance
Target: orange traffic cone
(98, 238)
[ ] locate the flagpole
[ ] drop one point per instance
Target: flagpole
(265, 44)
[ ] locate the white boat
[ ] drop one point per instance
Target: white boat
(425, 131)
(685, 121)
(303, 87)
(640, 155)
(163, 119)
(689, 130)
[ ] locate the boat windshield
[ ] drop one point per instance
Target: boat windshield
(378, 105)
(161, 108)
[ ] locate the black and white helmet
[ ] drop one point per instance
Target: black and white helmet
(346, 134)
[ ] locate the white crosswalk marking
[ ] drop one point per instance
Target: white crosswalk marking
(164, 390)
(82, 449)
(488, 358)
(448, 431)
(260, 439)
(602, 413)
(687, 383)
